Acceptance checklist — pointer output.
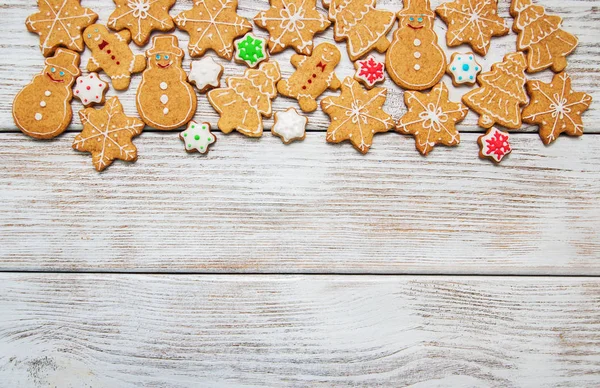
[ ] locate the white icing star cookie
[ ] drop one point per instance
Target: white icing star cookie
(205, 74)
(289, 126)
(90, 89)
(464, 69)
(197, 137)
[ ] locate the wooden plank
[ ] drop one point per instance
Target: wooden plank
(260, 206)
(21, 59)
(256, 331)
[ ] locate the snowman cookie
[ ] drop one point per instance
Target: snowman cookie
(165, 100)
(414, 60)
(314, 74)
(464, 69)
(42, 109)
(111, 53)
(197, 137)
(90, 89)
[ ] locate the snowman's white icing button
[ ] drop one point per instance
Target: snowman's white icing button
(38, 116)
(42, 104)
(417, 42)
(47, 93)
(417, 54)
(163, 85)
(165, 111)
(417, 67)
(164, 98)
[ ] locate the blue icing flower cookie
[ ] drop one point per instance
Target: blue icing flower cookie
(464, 69)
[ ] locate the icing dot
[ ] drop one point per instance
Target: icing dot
(197, 137)
(88, 88)
(417, 67)
(185, 134)
(209, 139)
(163, 85)
(47, 93)
(471, 77)
(465, 67)
(460, 78)
(417, 54)
(417, 42)
(38, 116)
(164, 98)
(165, 111)
(476, 68)
(42, 103)
(453, 67)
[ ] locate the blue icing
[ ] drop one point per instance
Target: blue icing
(453, 67)
(460, 78)
(471, 77)
(465, 67)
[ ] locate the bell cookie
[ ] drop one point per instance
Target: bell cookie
(414, 60)
(314, 74)
(212, 24)
(141, 17)
(463, 69)
(59, 24)
(540, 36)
(107, 134)
(556, 108)
(432, 118)
(369, 71)
(111, 53)
(494, 145)
(205, 74)
(356, 115)
(245, 99)
(289, 126)
(501, 93)
(42, 109)
(474, 22)
(292, 23)
(197, 137)
(250, 50)
(362, 25)
(90, 89)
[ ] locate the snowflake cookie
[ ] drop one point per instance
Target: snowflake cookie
(555, 107)
(369, 71)
(289, 126)
(494, 145)
(197, 137)
(464, 69)
(141, 17)
(205, 74)
(250, 50)
(90, 89)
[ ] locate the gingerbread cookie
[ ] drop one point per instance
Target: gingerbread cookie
(472, 21)
(212, 24)
(356, 115)
(107, 134)
(292, 23)
(289, 126)
(250, 50)
(494, 145)
(246, 99)
(111, 53)
(540, 35)
(90, 89)
(59, 23)
(432, 118)
(501, 93)
(42, 109)
(205, 74)
(197, 137)
(556, 108)
(314, 74)
(362, 25)
(141, 17)
(369, 71)
(165, 100)
(415, 61)
(464, 69)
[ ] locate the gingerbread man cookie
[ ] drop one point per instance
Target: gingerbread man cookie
(165, 100)
(42, 109)
(90, 89)
(141, 17)
(59, 23)
(415, 61)
(111, 53)
(314, 74)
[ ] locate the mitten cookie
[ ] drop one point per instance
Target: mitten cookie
(494, 145)
(556, 108)
(415, 61)
(111, 53)
(314, 74)
(165, 100)
(501, 93)
(541, 37)
(42, 109)
(59, 23)
(212, 24)
(356, 115)
(141, 17)
(246, 99)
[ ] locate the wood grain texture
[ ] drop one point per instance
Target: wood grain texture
(260, 206)
(21, 59)
(294, 331)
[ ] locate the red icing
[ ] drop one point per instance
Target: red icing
(498, 145)
(371, 70)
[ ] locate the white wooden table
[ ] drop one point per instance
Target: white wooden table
(304, 265)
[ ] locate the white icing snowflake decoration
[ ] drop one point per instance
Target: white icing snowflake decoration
(205, 73)
(289, 125)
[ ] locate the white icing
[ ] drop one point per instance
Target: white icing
(165, 111)
(47, 93)
(164, 98)
(90, 89)
(289, 125)
(163, 85)
(197, 137)
(417, 54)
(417, 43)
(417, 67)
(205, 72)
(464, 69)
(43, 104)
(38, 116)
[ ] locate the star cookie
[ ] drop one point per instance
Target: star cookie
(250, 50)
(197, 137)
(494, 145)
(107, 134)
(431, 118)
(369, 71)
(555, 107)
(90, 89)
(59, 23)
(289, 125)
(205, 74)
(212, 24)
(292, 23)
(472, 21)
(356, 115)
(141, 17)
(464, 69)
